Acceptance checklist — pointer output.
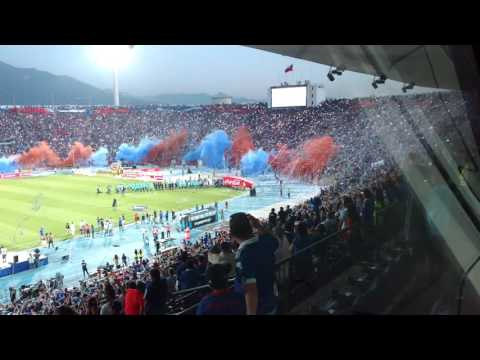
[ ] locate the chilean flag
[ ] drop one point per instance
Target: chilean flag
(288, 69)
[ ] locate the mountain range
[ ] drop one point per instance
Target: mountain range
(22, 86)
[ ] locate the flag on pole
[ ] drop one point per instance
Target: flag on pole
(288, 69)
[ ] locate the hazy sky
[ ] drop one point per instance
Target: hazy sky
(160, 69)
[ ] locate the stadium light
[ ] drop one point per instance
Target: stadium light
(337, 71)
(330, 75)
(408, 86)
(113, 57)
(381, 80)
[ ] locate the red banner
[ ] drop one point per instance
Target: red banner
(108, 111)
(237, 182)
(30, 110)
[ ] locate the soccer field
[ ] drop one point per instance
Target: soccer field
(27, 204)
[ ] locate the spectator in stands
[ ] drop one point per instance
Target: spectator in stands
(330, 224)
(222, 300)
(190, 277)
(156, 294)
(140, 283)
(201, 267)
(282, 215)
(214, 254)
(133, 302)
(227, 257)
(272, 218)
(303, 259)
(181, 264)
(109, 306)
(255, 263)
(92, 307)
(171, 279)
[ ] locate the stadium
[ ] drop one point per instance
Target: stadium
(326, 205)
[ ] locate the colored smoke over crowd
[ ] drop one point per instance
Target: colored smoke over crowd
(212, 150)
(167, 150)
(39, 155)
(100, 157)
(242, 144)
(306, 162)
(254, 162)
(79, 154)
(154, 151)
(135, 154)
(215, 150)
(7, 165)
(43, 155)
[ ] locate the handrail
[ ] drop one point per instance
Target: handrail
(279, 263)
(201, 287)
(335, 234)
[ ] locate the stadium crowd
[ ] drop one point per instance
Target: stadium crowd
(353, 124)
(251, 247)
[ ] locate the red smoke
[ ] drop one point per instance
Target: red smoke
(308, 162)
(163, 153)
(78, 154)
(41, 154)
(242, 143)
(280, 160)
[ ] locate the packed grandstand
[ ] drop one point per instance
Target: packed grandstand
(360, 182)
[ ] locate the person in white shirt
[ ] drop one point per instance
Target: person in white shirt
(3, 251)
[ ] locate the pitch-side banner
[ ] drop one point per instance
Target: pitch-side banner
(15, 175)
(237, 182)
(147, 173)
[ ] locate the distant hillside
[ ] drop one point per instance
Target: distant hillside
(34, 87)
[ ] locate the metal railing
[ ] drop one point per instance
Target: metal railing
(300, 274)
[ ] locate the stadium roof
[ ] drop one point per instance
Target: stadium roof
(426, 65)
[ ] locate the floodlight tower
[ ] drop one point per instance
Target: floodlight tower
(113, 57)
(116, 92)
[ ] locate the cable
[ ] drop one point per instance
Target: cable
(462, 285)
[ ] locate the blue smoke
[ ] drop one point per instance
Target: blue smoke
(254, 162)
(7, 165)
(135, 154)
(99, 157)
(211, 150)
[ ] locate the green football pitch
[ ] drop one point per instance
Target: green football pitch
(52, 201)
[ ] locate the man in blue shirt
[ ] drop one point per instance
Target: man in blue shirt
(255, 263)
(222, 300)
(189, 278)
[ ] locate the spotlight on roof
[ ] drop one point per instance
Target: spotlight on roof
(339, 70)
(381, 79)
(408, 86)
(330, 76)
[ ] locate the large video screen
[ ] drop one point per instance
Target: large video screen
(289, 96)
